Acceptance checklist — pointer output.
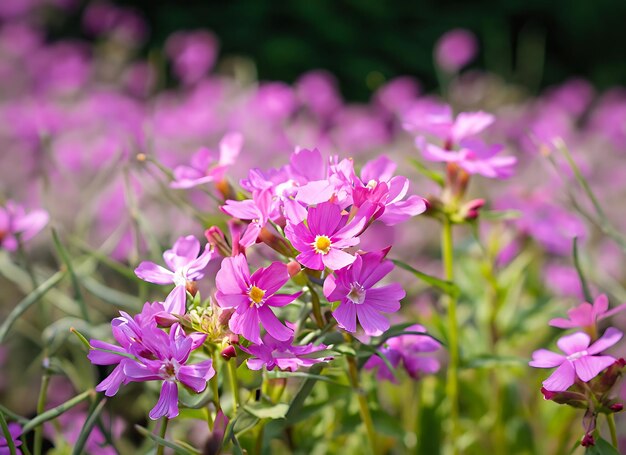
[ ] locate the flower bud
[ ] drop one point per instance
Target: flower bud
(588, 440)
(617, 407)
(279, 244)
(217, 240)
(229, 352)
(293, 268)
(233, 338)
(224, 316)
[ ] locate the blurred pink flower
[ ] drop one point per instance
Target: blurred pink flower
(455, 49)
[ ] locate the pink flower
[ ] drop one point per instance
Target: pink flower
(16, 224)
(282, 354)
(474, 156)
(203, 168)
(323, 237)
(192, 53)
(353, 286)
(587, 315)
(380, 187)
(252, 296)
(434, 118)
(407, 350)
(169, 364)
(580, 360)
(258, 210)
(185, 266)
(455, 49)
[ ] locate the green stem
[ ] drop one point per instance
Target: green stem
(452, 384)
(234, 386)
(317, 308)
(259, 440)
(364, 410)
(7, 434)
(215, 387)
(160, 448)
(610, 418)
(41, 406)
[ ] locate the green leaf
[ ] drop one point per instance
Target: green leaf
(429, 173)
(263, 411)
(28, 301)
(602, 447)
(297, 403)
(78, 295)
(172, 445)
(56, 411)
(7, 435)
(579, 270)
(447, 287)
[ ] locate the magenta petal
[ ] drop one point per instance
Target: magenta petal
(589, 367)
(111, 384)
(385, 298)
(280, 300)
(153, 273)
(325, 218)
(562, 323)
(247, 324)
(104, 358)
(543, 358)
(271, 278)
(233, 275)
(573, 343)
(311, 259)
(610, 337)
(337, 259)
(176, 301)
(168, 402)
(562, 378)
(372, 321)
(345, 314)
(196, 376)
(273, 326)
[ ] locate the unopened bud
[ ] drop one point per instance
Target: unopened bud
(191, 287)
(224, 316)
(279, 244)
(233, 338)
(229, 352)
(617, 407)
(588, 440)
(217, 240)
(225, 189)
(293, 268)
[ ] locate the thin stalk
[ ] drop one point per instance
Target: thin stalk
(7, 434)
(215, 387)
(258, 449)
(452, 383)
(317, 308)
(234, 386)
(610, 418)
(41, 406)
(364, 410)
(160, 448)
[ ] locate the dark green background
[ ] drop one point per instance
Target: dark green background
(353, 38)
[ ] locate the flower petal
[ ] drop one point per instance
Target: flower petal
(345, 314)
(168, 402)
(562, 378)
(543, 358)
(588, 367)
(273, 326)
(610, 337)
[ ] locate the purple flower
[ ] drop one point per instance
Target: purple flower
(380, 187)
(580, 360)
(322, 239)
(455, 49)
(353, 286)
(192, 53)
(168, 363)
(15, 430)
(203, 168)
(16, 224)
(252, 296)
(474, 156)
(282, 354)
(185, 267)
(587, 315)
(258, 210)
(406, 350)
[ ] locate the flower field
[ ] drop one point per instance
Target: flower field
(196, 261)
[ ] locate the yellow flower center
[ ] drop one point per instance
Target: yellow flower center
(322, 244)
(256, 294)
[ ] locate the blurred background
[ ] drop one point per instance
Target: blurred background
(365, 42)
